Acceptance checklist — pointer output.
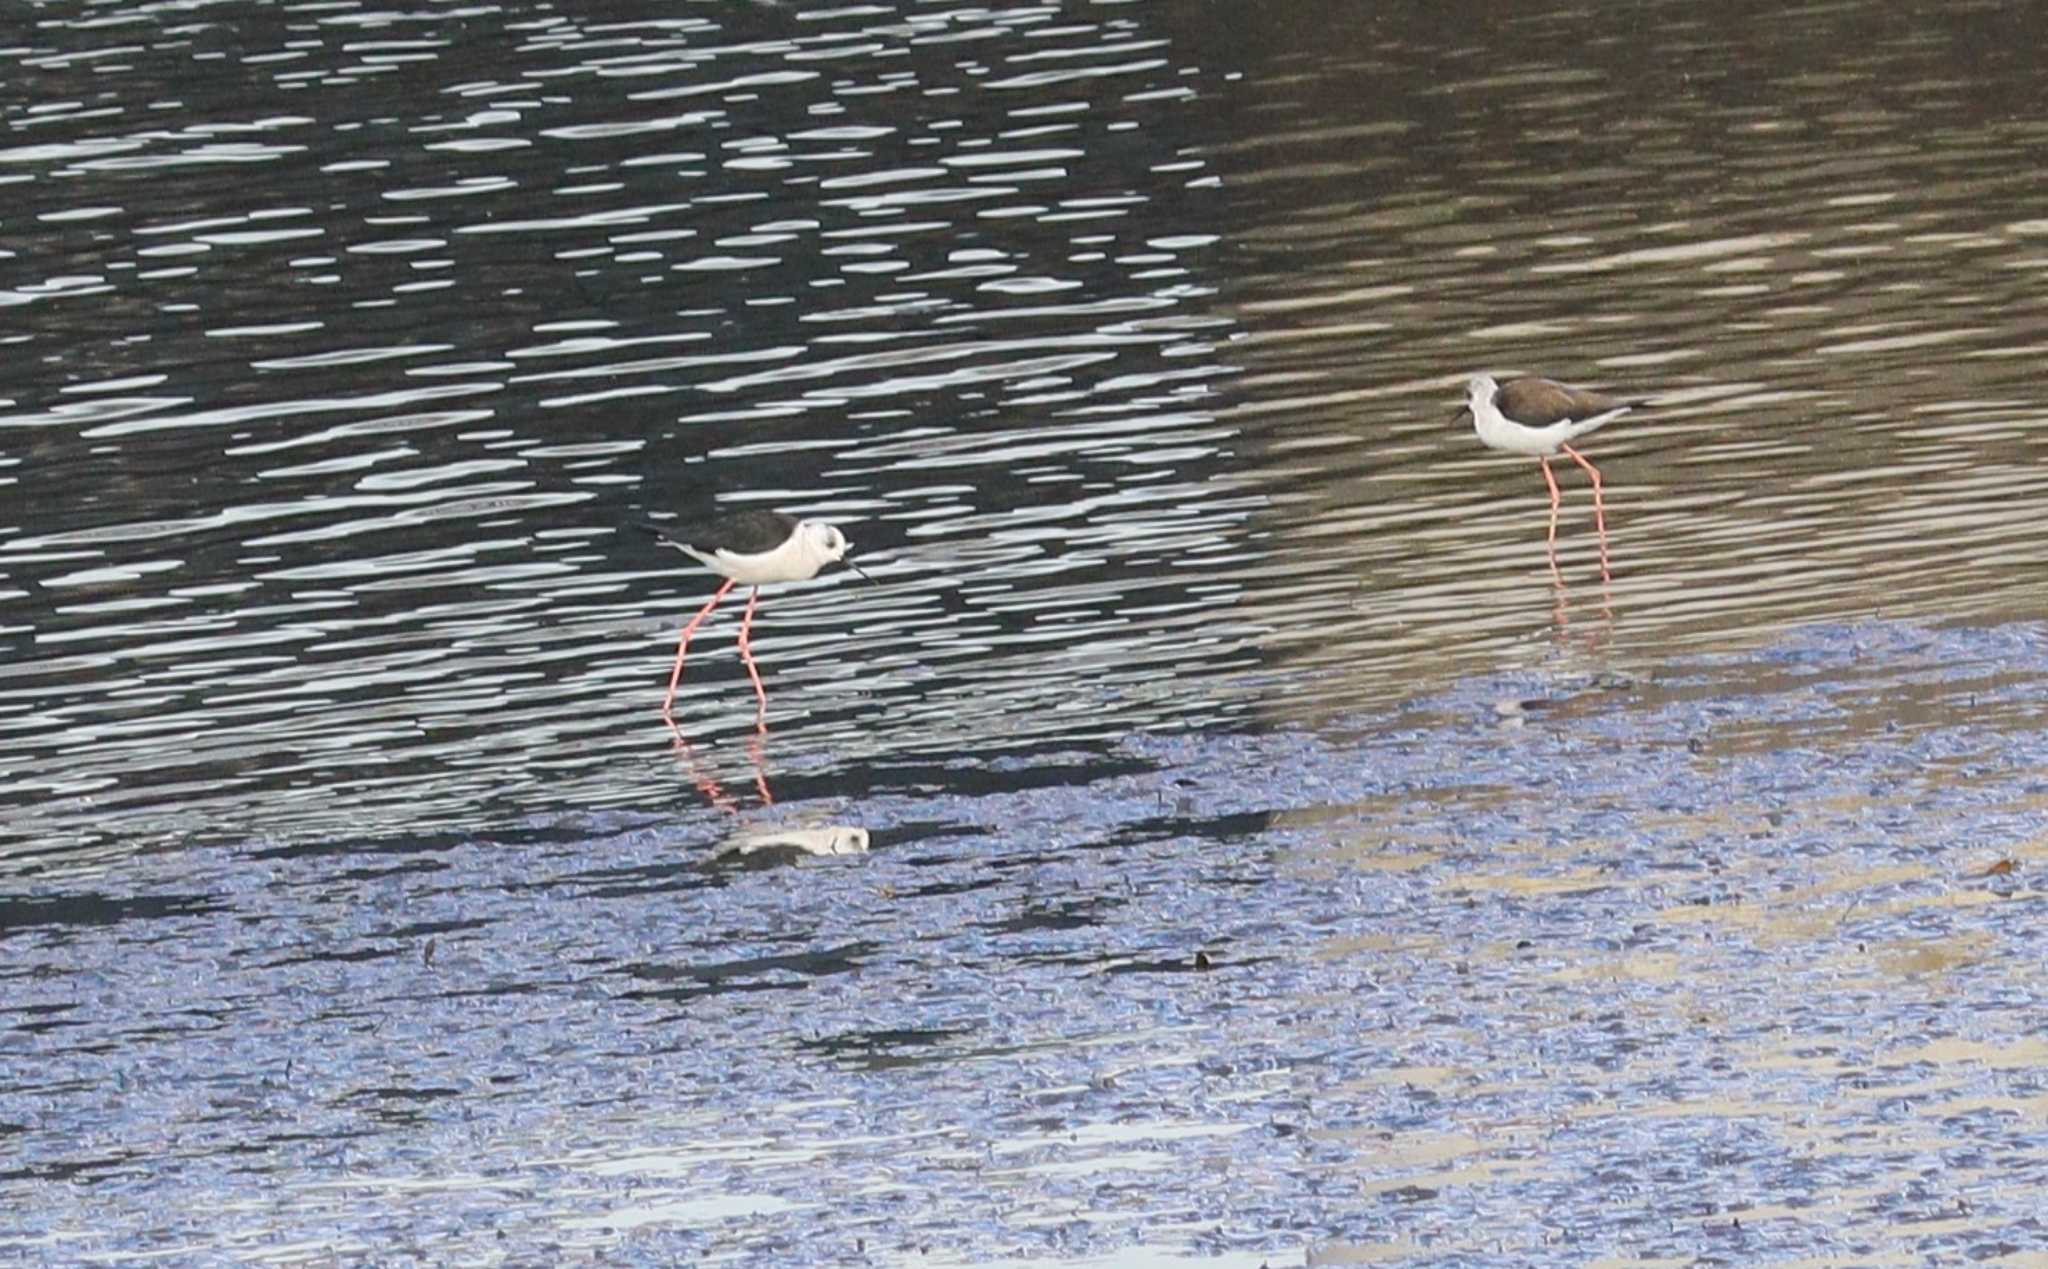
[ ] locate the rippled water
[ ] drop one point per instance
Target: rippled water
(344, 341)
(1124, 341)
(335, 385)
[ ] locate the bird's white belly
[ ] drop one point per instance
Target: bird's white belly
(793, 561)
(1498, 433)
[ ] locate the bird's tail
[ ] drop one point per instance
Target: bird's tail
(662, 533)
(1602, 419)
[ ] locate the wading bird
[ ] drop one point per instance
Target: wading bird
(1540, 418)
(749, 548)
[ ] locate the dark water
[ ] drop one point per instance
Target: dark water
(357, 903)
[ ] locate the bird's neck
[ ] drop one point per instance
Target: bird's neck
(806, 553)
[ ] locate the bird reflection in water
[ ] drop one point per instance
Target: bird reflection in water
(715, 792)
(787, 843)
(1602, 628)
(768, 844)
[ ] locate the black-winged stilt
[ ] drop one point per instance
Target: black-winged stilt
(1540, 418)
(750, 548)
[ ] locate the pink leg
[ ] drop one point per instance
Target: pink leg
(747, 655)
(1599, 506)
(1555, 500)
(757, 750)
(675, 676)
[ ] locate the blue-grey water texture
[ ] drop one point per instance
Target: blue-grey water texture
(1267, 861)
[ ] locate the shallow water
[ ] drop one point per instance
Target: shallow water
(1731, 961)
(356, 898)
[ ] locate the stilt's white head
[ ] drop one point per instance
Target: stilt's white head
(824, 541)
(1479, 390)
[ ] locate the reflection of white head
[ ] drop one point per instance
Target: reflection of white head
(1480, 388)
(825, 540)
(845, 840)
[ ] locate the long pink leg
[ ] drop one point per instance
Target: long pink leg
(1599, 507)
(757, 750)
(675, 676)
(747, 655)
(1555, 500)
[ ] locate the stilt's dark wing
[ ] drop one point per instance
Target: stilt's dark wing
(744, 532)
(1535, 402)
